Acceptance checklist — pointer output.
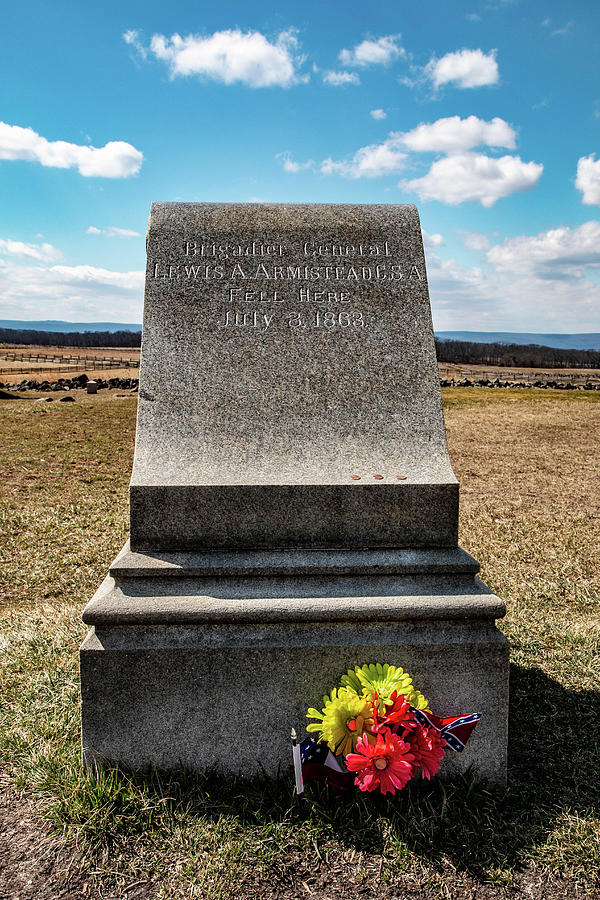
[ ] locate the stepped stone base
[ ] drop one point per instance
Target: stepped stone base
(207, 660)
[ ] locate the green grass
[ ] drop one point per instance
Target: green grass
(529, 513)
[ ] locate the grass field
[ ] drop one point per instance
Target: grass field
(530, 513)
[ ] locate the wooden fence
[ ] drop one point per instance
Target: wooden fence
(66, 362)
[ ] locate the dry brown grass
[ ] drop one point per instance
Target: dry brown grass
(530, 508)
(531, 500)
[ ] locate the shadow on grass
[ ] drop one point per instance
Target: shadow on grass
(554, 759)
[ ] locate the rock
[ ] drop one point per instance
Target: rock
(67, 399)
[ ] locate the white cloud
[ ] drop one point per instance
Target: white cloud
(116, 159)
(459, 176)
(378, 114)
(338, 79)
(382, 51)
(474, 240)
(432, 240)
(112, 231)
(474, 176)
(563, 253)
(368, 162)
(132, 37)
(464, 69)
(540, 283)
(76, 293)
(561, 31)
(290, 165)
(453, 135)
(449, 135)
(588, 179)
(91, 275)
(233, 56)
(43, 252)
(564, 30)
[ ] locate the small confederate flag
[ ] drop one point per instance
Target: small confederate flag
(319, 762)
(455, 729)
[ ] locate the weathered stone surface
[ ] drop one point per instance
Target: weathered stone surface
(186, 564)
(326, 598)
(226, 696)
(168, 630)
(289, 394)
(293, 507)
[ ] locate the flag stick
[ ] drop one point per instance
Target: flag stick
(297, 763)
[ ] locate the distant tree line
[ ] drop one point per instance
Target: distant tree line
(71, 338)
(469, 352)
(532, 356)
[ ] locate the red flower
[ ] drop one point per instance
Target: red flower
(428, 749)
(397, 717)
(388, 764)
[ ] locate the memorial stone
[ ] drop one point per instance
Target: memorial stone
(293, 506)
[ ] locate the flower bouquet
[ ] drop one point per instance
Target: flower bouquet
(376, 729)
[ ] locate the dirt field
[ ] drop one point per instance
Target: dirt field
(458, 371)
(81, 360)
(18, 362)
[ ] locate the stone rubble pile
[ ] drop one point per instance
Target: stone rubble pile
(131, 384)
(496, 383)
(70, 384)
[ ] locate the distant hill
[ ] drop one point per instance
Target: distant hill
(589, 341)
(65, 327)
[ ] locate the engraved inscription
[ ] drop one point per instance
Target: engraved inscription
(259, 287)
(229, 251)
(382, 249)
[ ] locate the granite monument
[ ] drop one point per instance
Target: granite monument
(293, 507)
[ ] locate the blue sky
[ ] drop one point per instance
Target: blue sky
(484, 114)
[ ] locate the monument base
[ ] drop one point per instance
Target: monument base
(207, 660)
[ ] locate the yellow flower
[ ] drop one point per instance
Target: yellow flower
(417, 700)
(383, 680)
(344, 718)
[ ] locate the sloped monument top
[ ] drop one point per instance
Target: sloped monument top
(289, 391)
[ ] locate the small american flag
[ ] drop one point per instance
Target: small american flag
(319, 762)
